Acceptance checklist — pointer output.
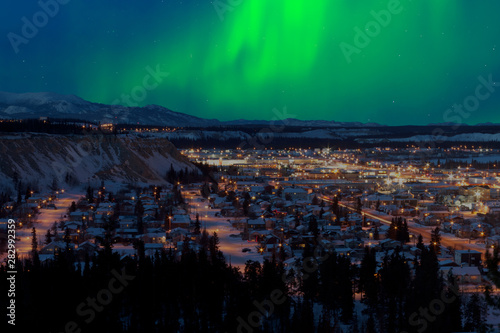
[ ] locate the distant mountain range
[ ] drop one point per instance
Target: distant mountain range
(47, 104)
(301, 123)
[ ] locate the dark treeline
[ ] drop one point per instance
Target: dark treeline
(201, 292)
(398, 230)
(203, 173)
(198, 292)
(394, 295)
(471, 163)
(50, 126)
(283, 143)
(276, 143)
(387, 131)
(4, 198)
(158, 294)
(263, 136)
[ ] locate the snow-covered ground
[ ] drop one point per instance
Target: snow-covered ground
(493, 318)
(42, 222)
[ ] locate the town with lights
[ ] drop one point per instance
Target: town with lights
(374, 206)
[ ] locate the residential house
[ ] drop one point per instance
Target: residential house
(53, 247)
(256, 224)
(468, 257)
(464, 275)
(181, 221)
(295, 193)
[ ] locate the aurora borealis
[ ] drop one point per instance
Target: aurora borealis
(232, 59)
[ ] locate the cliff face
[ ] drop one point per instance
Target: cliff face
(39, 159)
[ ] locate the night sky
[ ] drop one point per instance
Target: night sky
(231, 59)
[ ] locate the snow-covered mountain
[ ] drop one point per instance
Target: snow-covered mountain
(47, 104)
(39, 159)
(301, 123)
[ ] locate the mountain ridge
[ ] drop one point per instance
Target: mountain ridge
(54, 105)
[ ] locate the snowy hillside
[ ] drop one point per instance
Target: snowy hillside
(38, 159)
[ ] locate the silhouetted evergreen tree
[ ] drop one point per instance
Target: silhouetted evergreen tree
(335, 206)
(90, 195)
(197, 225)
(313, 226)
(420, 242)
(48, 237)
(28, 193)
(34, 241)
(368, 278)
(395, 283)
(359, 205)
(436, 240)
(303, 317)
(72, 208)
(475, 314)
(309, 274)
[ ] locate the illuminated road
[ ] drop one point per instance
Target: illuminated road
(447, 240)
(231, 246)
(44, 221)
